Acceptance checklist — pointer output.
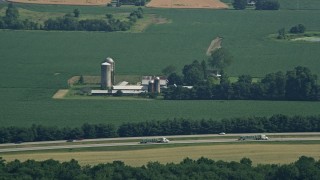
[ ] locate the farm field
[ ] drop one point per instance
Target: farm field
(65, 2)
(36, 64)
(259, 153)
(213, 4)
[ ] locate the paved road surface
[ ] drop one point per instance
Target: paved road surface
(216, 140)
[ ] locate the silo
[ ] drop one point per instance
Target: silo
(105, 76)
(157, 85)
(111, 61)
(151, 86)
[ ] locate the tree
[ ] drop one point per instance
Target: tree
(301, 84)
(119, 93)
(300, 28)
(267, 5)
(246, 161)
(109, 16)
(81, 80)
(12, 12)
(239, 4)
(174, 78)
(169, 70)
(274, 85)
(76, 13)
(220, 59)
(193, 73)
(282, 33)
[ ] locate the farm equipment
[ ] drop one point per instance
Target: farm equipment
(254, 137)
(154, 140)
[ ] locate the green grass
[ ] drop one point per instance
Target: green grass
(35, 64)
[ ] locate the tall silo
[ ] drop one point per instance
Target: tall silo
(151, 86)
(106, 76)
(157, 85)
(111, 61)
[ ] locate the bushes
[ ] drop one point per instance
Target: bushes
(202, 168)
(276, 123)
(298, 84)
(298, 29)
(267, 5)
(239, 4)
(69, 22)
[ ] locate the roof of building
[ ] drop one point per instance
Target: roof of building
(109, 60)
(130, 87)
(163, 82)
(123, 83)
(115, 91)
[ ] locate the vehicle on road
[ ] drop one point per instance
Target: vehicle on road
(70, 140)
(222, 133)
(254, 137)
(155, 140)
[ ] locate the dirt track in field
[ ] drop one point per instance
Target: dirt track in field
(65, 2)
(60, 94)
(211, 4)
(215, 44)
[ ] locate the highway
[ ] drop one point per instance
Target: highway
(50, 145)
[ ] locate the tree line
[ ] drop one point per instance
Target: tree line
(297, 84)
(11, 20)
(69, 22)
(202, 168)
(275, 123)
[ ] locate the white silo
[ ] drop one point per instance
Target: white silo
(106, 76)
(111, 61)
(157, 85)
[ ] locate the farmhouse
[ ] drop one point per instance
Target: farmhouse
(148, 84)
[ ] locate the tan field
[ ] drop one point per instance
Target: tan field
(60, 94)
(65, 2)
(212, 4)
(258, 153)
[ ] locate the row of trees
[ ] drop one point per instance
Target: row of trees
(202, 168)
(259, 4)
(11, 20)
(296, 84)
(69, 22)
(134, 2)
(276, 123)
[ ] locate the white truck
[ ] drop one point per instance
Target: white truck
(254, 137)
(154, 140)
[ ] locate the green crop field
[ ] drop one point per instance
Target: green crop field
(35, 64)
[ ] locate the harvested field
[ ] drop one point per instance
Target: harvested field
(211, 4)
(258, 153)
(64, 2)
(60, 93)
